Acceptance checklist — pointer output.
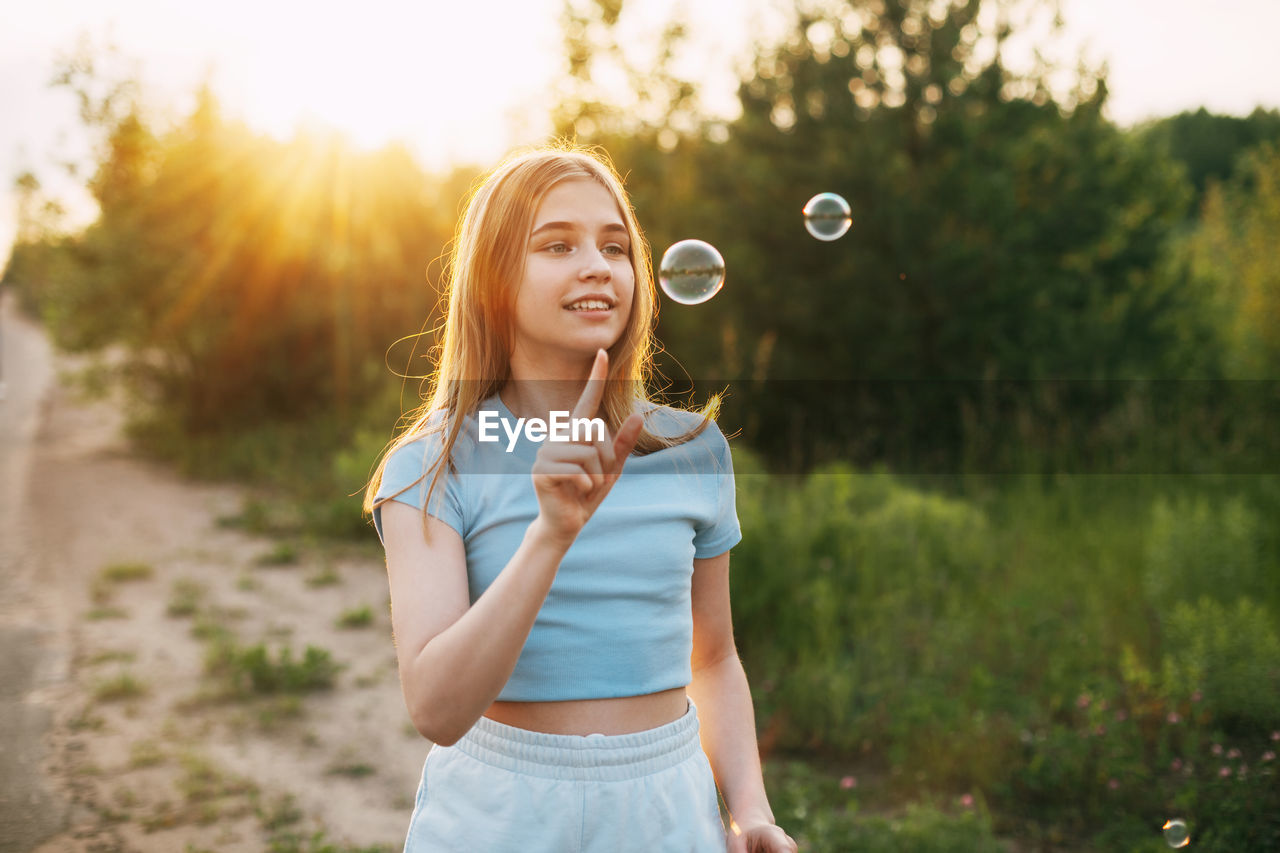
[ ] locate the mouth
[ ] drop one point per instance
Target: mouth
(590, 306)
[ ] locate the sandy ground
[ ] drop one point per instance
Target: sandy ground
(128, 743)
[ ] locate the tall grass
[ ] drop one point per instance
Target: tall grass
(986, 638)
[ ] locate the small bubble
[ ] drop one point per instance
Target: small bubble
(827, 216)
(1175, 834)
(691, 272)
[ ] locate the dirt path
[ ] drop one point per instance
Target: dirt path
(131, 579)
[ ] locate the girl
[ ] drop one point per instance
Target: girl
(559, 606)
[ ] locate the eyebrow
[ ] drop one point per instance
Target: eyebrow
(569, 226)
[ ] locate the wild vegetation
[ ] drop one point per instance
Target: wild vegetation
(1005, 455)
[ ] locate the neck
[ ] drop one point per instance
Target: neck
(536, 392)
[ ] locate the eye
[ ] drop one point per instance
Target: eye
(616, 250)
(556, 248)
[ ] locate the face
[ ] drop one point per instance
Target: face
(578, 284)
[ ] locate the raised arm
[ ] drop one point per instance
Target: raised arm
(455, 657)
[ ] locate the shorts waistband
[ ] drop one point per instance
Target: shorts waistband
(594, 757)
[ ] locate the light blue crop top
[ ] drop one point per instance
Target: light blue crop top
(617, 620)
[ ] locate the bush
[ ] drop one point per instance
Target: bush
(854, 590)
(254, 670)
(1195, 549)
(1231, 656)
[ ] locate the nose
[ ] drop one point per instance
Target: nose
(595, 266)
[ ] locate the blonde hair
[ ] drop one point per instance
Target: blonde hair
(485, 266)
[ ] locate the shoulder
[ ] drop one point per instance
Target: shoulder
(416, 454)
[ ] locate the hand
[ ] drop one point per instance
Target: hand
(572, 478)
(760, 838)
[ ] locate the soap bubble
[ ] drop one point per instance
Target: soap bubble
(827, 216)
(1175, 834)
(691, 272)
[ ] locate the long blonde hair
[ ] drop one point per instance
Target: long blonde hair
(486, 264)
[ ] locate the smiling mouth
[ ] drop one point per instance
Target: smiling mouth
(591, 305)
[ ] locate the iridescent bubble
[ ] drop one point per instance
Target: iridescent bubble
(691, 272)
(827, 216)
(1175, 834)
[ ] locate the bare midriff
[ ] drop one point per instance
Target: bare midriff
(619, 716)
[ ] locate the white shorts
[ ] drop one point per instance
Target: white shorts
(501, 789)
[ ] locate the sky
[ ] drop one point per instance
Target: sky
(466, 81)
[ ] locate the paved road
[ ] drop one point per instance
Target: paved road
(34, 650)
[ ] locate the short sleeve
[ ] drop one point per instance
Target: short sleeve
(723, 531)
(405, 478)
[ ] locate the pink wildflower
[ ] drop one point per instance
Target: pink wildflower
(1083, 702)
(1113, 784)
(1268, 756)
(1173, 718)
(1275, 735)
(1216, 749)
(967, 801)
(1176, 765)
(1234, 753)
(847, 782)
(1224, 772)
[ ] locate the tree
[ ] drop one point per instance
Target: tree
(1002, 231)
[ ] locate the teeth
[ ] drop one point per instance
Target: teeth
(589, 305)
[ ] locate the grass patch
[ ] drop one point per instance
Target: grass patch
(123, 686)
(110, 655)
(185, 597)
(126, 572)
(281, 554)
(281, 812)
(278, 711)
(209, 795)
(264, 518)
(202, 780)
(296, 842)
(256, 669)
(354, 770)
(146, 753)
(357, 617)
(103, 586)
(326, 576)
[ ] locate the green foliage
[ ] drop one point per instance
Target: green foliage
(125, 572)
(1195, 549)
(1210, 146)
(185, 597)
(356, 617)
(255, 670)
(1232, 253)
(876, 574)
(121, 687)
(281, 554)
(204, 268)
(997, 236)
(1230, 654)
(822, 811)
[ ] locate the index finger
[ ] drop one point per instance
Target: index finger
(589, 402)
